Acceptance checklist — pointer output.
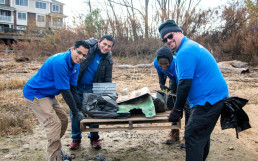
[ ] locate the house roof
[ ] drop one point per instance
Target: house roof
(5, 7)
(55, 1)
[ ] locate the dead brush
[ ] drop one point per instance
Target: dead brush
(13, 83)
(11, 124)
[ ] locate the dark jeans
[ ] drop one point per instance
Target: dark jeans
(76, 131)
(198, 130)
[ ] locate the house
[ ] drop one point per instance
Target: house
(17, 15)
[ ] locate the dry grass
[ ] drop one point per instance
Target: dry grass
(15, 124)
(13, 83)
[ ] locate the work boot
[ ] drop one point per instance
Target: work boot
(95, 142)
(182, 143)
(173, 136)
(75, 144)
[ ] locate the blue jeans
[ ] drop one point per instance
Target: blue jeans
(76, 131)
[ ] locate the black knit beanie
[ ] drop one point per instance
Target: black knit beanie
(168, 26)
(165, 52)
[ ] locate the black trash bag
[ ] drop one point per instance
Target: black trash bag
(101, 106)
(171, 101)
(160, 104)
(168, 98)
(233, 115)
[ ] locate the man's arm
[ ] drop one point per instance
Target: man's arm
(162, 81)
(182, 92)
(173, 86)
(108, 73)
(183, 88)
(72, 103)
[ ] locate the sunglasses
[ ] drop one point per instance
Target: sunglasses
(170, 36)
(80, 53)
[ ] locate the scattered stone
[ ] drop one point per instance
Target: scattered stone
(8, 156)
(26, 146)
(116, 140)
(21, 59)
(231, 148)
(125, 92)
(5, 150)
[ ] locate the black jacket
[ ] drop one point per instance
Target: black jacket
(233, 116)
(104, 71)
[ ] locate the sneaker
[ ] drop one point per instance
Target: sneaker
(95, 142)
(66, 157)
(75, 144)
(173, 136)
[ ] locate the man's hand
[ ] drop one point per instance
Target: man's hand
(79, 116)
(165, 88)
(175, 115)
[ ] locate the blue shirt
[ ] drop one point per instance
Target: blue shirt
(170, 72)
(55, 74)
(197, 63)
(89, 74)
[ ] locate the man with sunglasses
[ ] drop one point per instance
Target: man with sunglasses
(57, 75)
(96, 68)
(201, 83)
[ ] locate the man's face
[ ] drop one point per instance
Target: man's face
(172, 41)
(164, 63)
(105, 46)
(79, 54)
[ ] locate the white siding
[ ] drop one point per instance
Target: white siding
(32, 7)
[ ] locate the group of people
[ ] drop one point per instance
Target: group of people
(194, 77)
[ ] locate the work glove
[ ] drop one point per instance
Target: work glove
(163, 87)
(175, 115)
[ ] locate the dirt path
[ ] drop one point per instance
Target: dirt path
(146, 145)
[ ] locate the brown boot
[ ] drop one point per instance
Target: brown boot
(182, 143)
(173, 136)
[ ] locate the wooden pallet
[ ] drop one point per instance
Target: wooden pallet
(135, 122)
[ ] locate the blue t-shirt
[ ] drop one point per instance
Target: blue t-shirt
(89, 74)
(55, 74)
(171, 72)
(197, 63)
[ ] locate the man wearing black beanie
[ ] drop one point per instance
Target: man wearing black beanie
(165, 66)
(201, 82)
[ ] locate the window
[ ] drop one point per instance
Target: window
(40, 18)
(41, 5)
(2, 1)
(21, 2)
(55, 8)
(22, 16)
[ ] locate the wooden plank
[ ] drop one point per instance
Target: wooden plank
(130, 122)
(158, 117)
(128, 128)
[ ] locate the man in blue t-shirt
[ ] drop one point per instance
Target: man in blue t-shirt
(165, 66)
(201, 83)
(96, 68)
(57, 75)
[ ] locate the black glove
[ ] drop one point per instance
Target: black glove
(175, 115)
(163, 87)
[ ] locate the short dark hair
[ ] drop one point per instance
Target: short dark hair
(108, 37)
(81, 43)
